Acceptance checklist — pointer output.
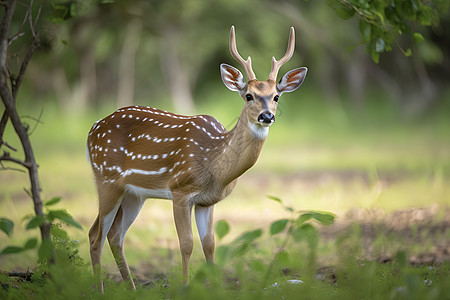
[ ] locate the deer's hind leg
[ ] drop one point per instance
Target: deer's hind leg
(126, 214)
(109, 203)
(204, 220)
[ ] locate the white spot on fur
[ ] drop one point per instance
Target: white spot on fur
(144, 172)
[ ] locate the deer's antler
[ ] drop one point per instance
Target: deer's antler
(276, 65)
(247, 64)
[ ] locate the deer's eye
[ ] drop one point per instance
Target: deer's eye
(249, 97)
(276, 98)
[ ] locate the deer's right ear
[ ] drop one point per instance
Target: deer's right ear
(232, 78)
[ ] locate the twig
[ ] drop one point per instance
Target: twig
(15, 37)
(34, 46)
(3, 168)
(37, 16)
(7, 157)
(4, 30)
(3, 122)
(37, 120)
(8, 146)
(26, 275)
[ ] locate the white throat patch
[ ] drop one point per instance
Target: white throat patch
(260, 132)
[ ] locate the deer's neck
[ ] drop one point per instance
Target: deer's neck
(240, 151)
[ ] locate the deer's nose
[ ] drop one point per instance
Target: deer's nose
(266, 117)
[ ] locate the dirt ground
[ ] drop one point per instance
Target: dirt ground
(424, 233)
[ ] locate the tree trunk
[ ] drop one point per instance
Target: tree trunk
(88, 79)
(176, 76)
(8, 97)
(127, 64)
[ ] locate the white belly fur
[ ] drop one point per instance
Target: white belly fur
(144, 193)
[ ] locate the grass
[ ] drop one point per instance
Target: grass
(317, 157)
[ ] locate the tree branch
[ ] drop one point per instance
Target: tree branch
(26, 275)
(7, 157)
(35, 44)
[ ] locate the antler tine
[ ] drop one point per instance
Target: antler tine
(276, 65)
(247, 64)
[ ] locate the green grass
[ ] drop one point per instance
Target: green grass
(317, 157)
(252, 267)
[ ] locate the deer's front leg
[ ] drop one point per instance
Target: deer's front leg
(182, 216)
(204, 220)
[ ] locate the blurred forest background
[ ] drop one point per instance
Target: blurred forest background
(154, 52)
(357, 134)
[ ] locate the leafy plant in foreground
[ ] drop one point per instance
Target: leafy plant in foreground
(244, 252)
(47, 247)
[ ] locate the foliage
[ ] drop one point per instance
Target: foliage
(249, 268)
(382, 21)
(47, 246)
(288, 232)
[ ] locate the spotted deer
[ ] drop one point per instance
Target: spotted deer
(141, 152)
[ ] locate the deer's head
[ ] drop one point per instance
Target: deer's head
(261, 97)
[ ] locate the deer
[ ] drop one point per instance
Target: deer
(139, 152)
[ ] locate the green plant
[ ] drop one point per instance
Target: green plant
(245, 253)
(382, 21)
(58, 234)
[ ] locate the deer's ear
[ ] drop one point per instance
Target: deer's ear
(232, 78)
(291, 80)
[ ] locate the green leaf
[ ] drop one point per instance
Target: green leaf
(303, 218)
(58, 232)
(45, 250)
(341, 10)
(324, 218)
(64, 216)
(221, 228)
(375, 56)
(11, 250)
(250, 236)
(379, 15)
(52, 201)
(408, 52)
(36, 221)
(365, 30)
(306, 232)
(6, 226)
(31, 243)
(380, 45)
(418, 37)
(278, 226)
(276, 199)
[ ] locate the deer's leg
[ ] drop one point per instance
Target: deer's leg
(99, 230)
(127, 213)
(182, 216)
(204, 220)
